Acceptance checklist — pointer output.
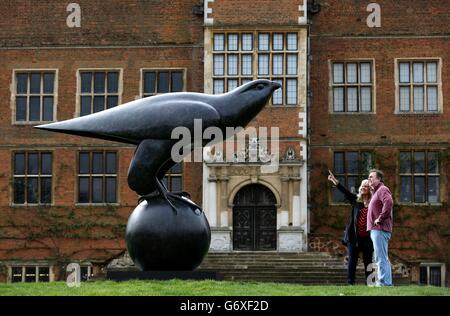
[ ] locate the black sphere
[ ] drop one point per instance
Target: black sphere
(158, 238)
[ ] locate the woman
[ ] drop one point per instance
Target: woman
(356, 237)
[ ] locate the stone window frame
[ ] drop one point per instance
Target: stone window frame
(24, 266)
(90, 175)
(358, 84)
(428, 266)
(346, 174)
(411, 84)
(160, 69)
(38, 176)
(93, 69)
(13, 89)
(254, 52)
(424, 174)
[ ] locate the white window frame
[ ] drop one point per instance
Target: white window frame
(331, 84)
(51, 276)
(440, 101)
(13, 89)
(78, 94)
(160, 69)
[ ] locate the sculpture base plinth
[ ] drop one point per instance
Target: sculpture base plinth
(162, 275)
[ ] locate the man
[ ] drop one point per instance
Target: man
(379, 223)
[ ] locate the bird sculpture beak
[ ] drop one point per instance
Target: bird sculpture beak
(276, 85)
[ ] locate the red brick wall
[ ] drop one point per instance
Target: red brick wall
(419, 231)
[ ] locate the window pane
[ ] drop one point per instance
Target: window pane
(111, 164)
(30, 274)
(263, 41)
(84, 163)
(46, 163)
(247, 41)
(291, 64)
(404, 99)
(419, 162)
(277, 64)
(32, 190)
(339, 163)
(263, 64)
(404, 72)
(35, 108)
(19, 190)
(22, 82)
(352, 75)
(219, 42)
(16, 274)
(232, 64)
(46, 190)
(177, 82)
(176, 184)
(99, 82)
(292, 41)
(419, 189)
(277, 41)
(35, 83)
(366, 163)
(86, 82)
(19, 164)
(423, 278)
(176, 169)
(291, 91)
(99, 103)
(232, 84)
(33, 165)
(163, 82)
(112, 101)
(83, 190)
(433, 189)
(432, 99)
(405, 189)
(246, 65)
(432, 162)
(352, 162)
(111, 190)
(44, 274)
(435, 276)
(338, 73)
(49, 82)
(338, 99)
(418, 72)
(352, 184)
(218, 86)
(85, 105)
(113, 82)
(405, 162)
(277, 96)
(365, 75)
(97, 163)
(97, 190)
(233, 42)
(21, 108)
(352, 99)
(149, 82)
(218, 65)
(432, 72)
(337, 195)
(418, 99)
(47, 114)
(366, 99)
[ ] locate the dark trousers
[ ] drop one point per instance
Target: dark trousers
(365, 247)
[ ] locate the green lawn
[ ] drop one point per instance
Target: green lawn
(209, 288)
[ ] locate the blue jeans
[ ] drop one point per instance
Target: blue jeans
(380, 240)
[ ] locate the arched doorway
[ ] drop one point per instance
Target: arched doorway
(254, 219)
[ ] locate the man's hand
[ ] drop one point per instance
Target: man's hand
(377, 221)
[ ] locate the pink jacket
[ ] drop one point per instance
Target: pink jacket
(380, 206)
